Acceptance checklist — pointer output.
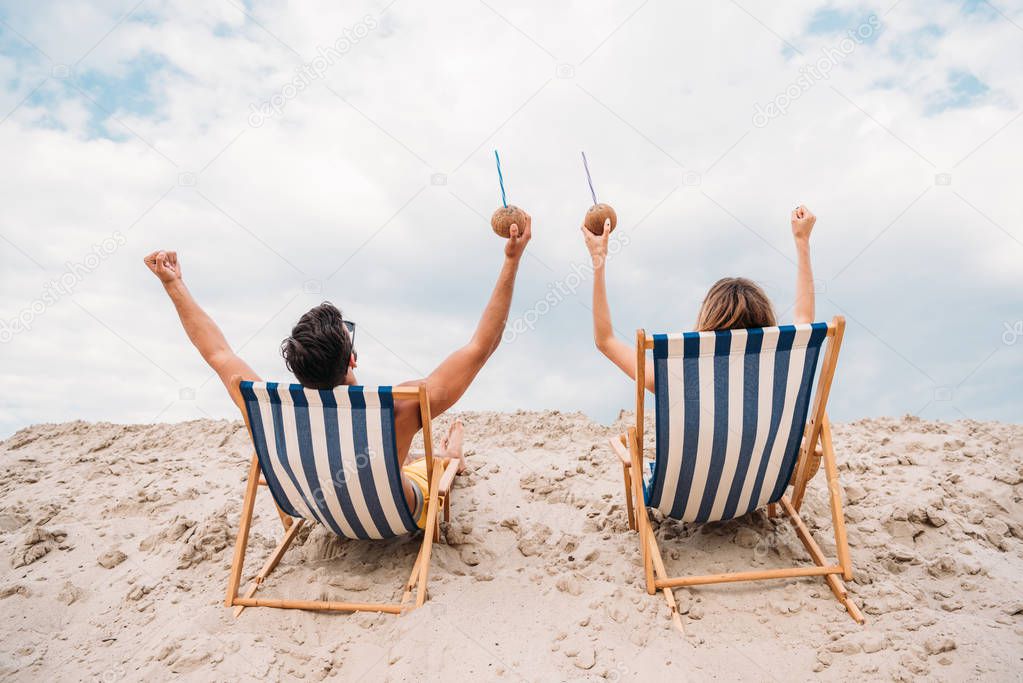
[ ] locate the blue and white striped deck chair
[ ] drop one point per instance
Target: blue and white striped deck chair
(738, 421)
(330, 457)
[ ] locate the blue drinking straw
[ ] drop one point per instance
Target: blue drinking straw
(500, 179)
(588, 178)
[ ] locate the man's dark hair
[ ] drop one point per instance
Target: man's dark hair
(319, 348)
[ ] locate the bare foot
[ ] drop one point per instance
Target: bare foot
(451, 445)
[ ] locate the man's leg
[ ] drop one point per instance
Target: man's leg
(451, 445)
(414, 478)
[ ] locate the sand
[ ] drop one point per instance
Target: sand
(115, 543)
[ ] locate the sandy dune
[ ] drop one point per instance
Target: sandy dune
(115, 543)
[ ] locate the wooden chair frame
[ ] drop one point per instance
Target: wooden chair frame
(629, 448)
(441, 477)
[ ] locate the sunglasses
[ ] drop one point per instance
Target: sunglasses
(350, 326)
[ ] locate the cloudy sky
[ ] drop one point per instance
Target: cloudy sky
(296, 152)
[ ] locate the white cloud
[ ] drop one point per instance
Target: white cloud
(657, 91)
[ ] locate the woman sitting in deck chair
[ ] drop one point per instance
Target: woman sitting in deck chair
(732, 303)
(735, 426)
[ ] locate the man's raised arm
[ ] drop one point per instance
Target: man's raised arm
(200, 328)
(448, 382)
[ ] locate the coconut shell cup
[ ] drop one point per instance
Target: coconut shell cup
(595, 217)
(503, 218)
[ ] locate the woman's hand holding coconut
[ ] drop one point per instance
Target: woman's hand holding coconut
(596, 243)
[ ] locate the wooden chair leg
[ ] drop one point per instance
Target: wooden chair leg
(669, 596)
(322, 605)
(413, 578)
(428, 532)
(244, 525)
(648, 565)
(271, 562)
(835, 499)
(835, 583)
(645, 534)
(643, 521)
(628, 497)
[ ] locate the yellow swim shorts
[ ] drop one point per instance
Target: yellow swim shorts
(416, 473)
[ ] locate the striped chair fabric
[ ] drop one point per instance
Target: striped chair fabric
(731, 408)
(330, 456)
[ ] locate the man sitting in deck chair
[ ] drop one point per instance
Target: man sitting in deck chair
(320, 353)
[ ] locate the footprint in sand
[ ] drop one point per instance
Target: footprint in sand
(36, 544)
(207, 540)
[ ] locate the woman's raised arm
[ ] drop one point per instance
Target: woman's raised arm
(620, 353)
(802, 225)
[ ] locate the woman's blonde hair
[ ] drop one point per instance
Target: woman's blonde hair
(735, 303)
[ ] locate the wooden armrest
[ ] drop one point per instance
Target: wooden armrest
(618, 446)
(446, 479)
